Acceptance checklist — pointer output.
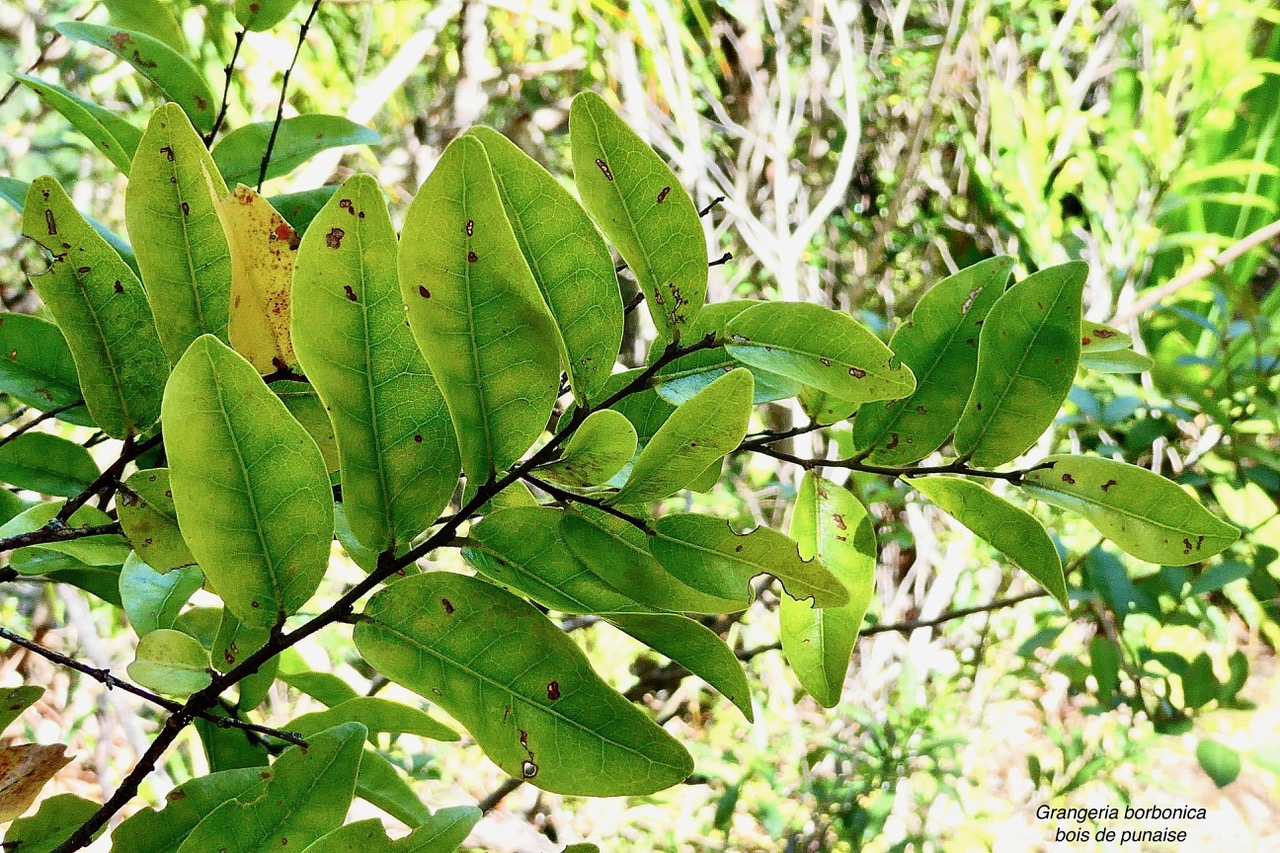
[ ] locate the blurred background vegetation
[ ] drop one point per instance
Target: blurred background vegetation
(864, 150)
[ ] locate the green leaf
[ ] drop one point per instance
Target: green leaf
(109, 133)
(36, 367)
(640, 205)
(441, 833)
(15, 700)
(382, 784)
(685, 376)
(1027, 359)
(100, 307)
(1148, 516)
(940, 345)
(695, 647)
(169, 661)
(618, 555)
(476, 312)
(699, 432)
(171, 208)
(1220, 762)
(156, 61)
(151, 600)
(300, 208)
(1119, 361)
(306, 798)
(259, 15)
(601, 446)
(239, 154)
(46, 463)
(709, 555)
(151, 831)
(526, 693)
(147, 514)
(376, 715)
(825, 349)
(15, 193)
(1099, 337)
(236, 641)
(302, 401)
(829, 523)
(57, 818)
(399, 457)
(100, 550)
(520, 548)
(324, 687)
(156, 18)
(1012, 531)
(568, 259)
(229, 748)
(249, 484)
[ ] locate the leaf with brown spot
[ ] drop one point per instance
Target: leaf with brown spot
(24, 770)
(1147, 515)
(263, 248)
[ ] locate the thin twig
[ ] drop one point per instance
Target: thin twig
(491, 800)
(53, 533)
(906, 471)
(284, 91)
(711, 205)
(566, 497)
(104, 677)
(226, 89)
(128, 453)
(44, 51)
(912, 624)
(34, 422)
(14, 415)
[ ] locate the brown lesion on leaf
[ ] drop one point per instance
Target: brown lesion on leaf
(423, 292)
(140, 61)
(1107, 485)
(1067, 478)
(351, 294)
(186, 209)
(417, 438)
(893, 442)
(345, 204)
(120, 39)
(1103, 333)
(604, 168)
(118, 287)
(167, 152)
(1084, 342)
(826, 362)
(334, 238)
(448, 606)
(553, 691)
(662, 196)
(839, 520)
(50, 223)
(1186, 546)
(857, 373)
(472, 257)
(470, 227)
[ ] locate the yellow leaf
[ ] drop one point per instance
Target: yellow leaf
(263, 248)
(24, 770)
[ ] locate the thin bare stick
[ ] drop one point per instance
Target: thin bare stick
(284, 92)
(229, 69)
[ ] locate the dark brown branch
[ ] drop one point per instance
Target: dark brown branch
(566, 497)
(911, 625)
(229, 69)
(104, 677)
(35, 422)
(905, 471)
(711, 205)
(44, 51)
(284, 92)
(491, 800)
(723, 259)
(128, 453)
(51, 533)
(633, 303)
